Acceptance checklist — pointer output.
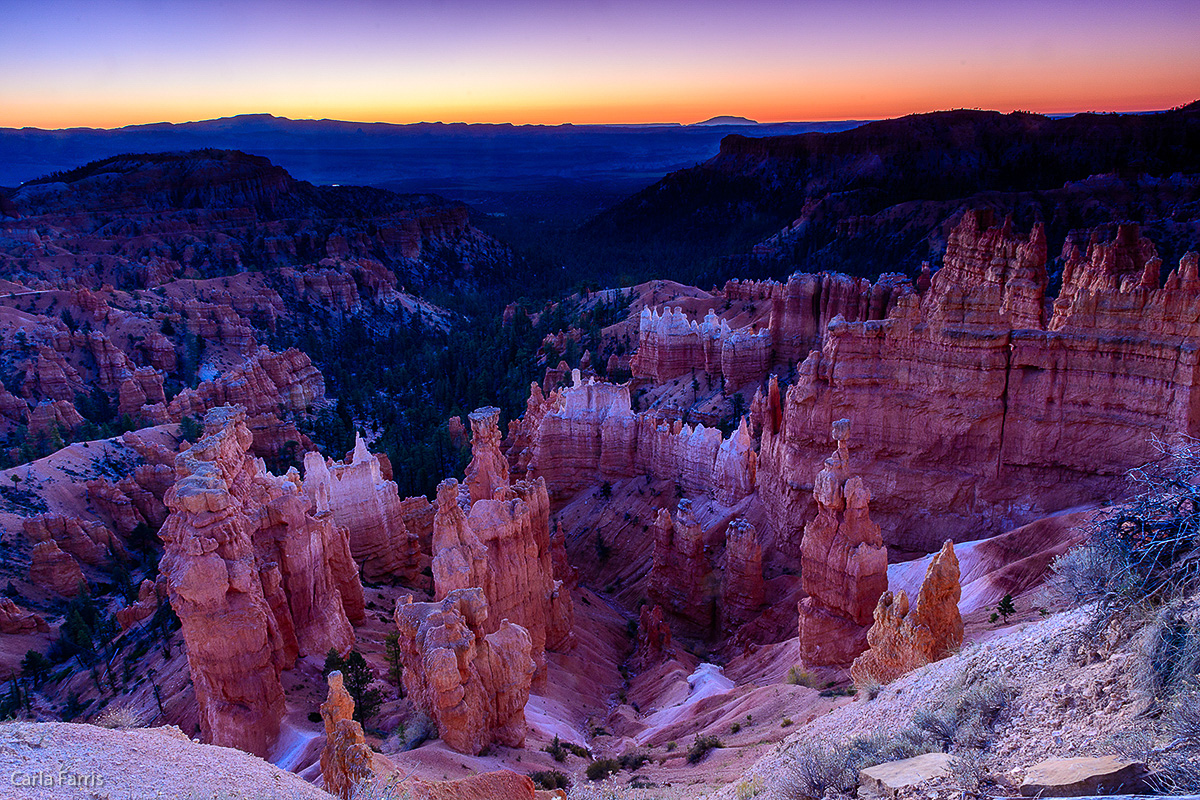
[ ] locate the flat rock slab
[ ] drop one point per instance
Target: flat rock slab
(883, 780)
(1080, 777)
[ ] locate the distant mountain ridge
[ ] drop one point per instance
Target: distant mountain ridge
(580, 168)
(883, 195)
(727, 120)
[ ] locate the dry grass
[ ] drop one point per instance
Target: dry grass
(120, 716)
(801, 677)
(389, 789)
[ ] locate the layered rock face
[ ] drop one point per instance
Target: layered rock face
(150, 594)
(1016, 420)
(474, 684)
(671, 345)
(503, 547)
(681, 579)
(904, 638)
(590, 433)
(357, 497)
(87, 541)
(255, 580)
(346, 758)
(843, 563)
(742, 588)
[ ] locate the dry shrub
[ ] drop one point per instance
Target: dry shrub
(966, 717)
(819, 766)
(389, 789)
(1142, 553)
(1171, 658)
(120, 716)
(969, 771)
(1178, 761)
(801, 677)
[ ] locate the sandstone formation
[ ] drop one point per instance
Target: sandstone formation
(346, 758)
(843, 563)
(1009, 405)
(150, 595)
(488, 470)
(496, 537)
(474, 684)
(892, 777)
(742, 588)
(356, 496)
(1079, 777)
(590, 433)
(653, 637)
(255, 580)
(681, 579)
(54, 569)
(670, 345)
(905, 638)
(502, 546)
(88, 541)
(16, 620)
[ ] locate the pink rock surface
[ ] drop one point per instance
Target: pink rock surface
(590, 433)
(903, 637)
(743, 590)
(346, 758)
(1015, 420)
(356, 496)
(843, 563)
(474, 684)
(54, 569)
(255, 580)
(681, 578)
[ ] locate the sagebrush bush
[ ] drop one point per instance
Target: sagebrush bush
(818, 766)
(550, 779)
(801, 677)
(1171, 659)
(602, 767)
(701, 746)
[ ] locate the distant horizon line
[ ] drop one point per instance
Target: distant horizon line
(740, 121)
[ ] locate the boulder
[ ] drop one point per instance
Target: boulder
(884, 780)
(1080, 777)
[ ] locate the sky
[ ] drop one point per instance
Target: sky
(107, 63)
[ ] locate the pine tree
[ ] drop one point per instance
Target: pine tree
(359, 677)
(395, 665)
(1006, 607)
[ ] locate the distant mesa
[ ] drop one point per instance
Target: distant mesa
(726, 120)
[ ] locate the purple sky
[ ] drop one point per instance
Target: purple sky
(107, 63)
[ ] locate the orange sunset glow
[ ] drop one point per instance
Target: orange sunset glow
(111, 64)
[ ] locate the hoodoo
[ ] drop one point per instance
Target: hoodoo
(843, 562)
(255, 580)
